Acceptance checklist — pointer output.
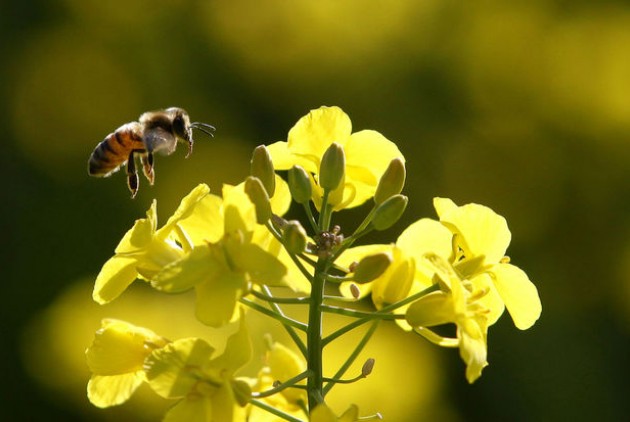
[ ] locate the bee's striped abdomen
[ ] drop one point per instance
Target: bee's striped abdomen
(114, 150)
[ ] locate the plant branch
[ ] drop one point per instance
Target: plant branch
(288, 383)
(274, 411)
(294, 336)
(384, 310)
(352, 356)
(283, 300)
(279, 317)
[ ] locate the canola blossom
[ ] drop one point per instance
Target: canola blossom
(367, 154)
(238, 253)
(116, 358)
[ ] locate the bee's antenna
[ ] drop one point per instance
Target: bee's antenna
(204, 127)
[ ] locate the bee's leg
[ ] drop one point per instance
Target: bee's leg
(147, 166)
(190, 145)
(132, 175)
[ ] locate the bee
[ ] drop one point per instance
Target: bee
(154, 132)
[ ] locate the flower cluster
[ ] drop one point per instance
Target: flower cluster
(238, 253)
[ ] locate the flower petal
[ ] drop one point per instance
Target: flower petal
(120, 347)
(480, 230)
(195, 268)
(368, 153)
(197, 408)
(491, 300)
(238, 350)
(281, 199)
(519, 294)
(350, 415)
(474, 352)
(396, 282)
(239, 212)
(423, 237)
(105, 391)
(443, 206)
(186, 209)
(261, 266)
(314, 133)
(224, 405)
(216, 300)
(205, 222)
(170, 370)
(433, 309)
(283, 159)
(294, 278)
(285, 364)
(436, 338)
(322, 413)
(115, 276)
(141, 234)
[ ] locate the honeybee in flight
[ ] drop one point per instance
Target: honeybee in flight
(155, 131)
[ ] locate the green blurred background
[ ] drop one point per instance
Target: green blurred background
(521, 107)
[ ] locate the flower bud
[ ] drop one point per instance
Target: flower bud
(392, 181)
(262, 168)
(371, 267)
(332, 167)
(300, 185)
(258, 195)
(294, 237)
(354, 291)
(367, 368)
(242, 392)
(387, 213)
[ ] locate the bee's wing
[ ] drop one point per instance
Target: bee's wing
(159, 140)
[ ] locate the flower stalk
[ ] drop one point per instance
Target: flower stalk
(239, 254)
(314, 343)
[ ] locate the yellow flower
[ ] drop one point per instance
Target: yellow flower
(225, 260)
(322, 413)
(281, 364)
(204, 385)
(145, 250)
(458, 303)
(367, 154)
(284, 364)
(480, 240)
(409, 271)
(116, 359)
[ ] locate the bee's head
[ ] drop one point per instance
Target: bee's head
(182, 128)
(181, 124)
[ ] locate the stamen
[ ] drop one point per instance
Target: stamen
(479, 294)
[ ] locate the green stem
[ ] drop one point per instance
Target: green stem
(294, 336)
(384, 310)
(274, 411)
(325, 213)
(285, 300)
(293, 257)
(353, 356)
(365, 222)
(340, 381)
(283, 319)
(349, 242)
(288, 383)
(358, 314)
(361, 231)
(310, 216)
(314, 336)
